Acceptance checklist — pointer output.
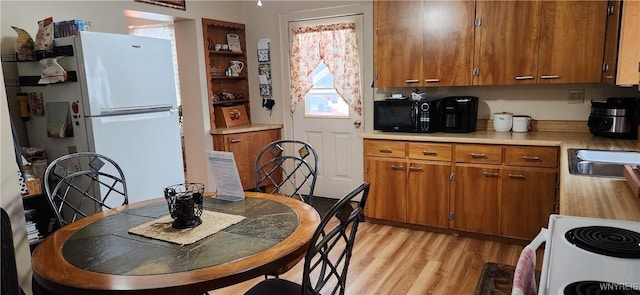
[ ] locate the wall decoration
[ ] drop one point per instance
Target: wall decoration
(36, 103)
(167, 3)
(264, 74)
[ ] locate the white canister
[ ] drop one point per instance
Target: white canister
(521, 123)
(502, 121)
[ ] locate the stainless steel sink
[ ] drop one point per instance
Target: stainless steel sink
(601, 163)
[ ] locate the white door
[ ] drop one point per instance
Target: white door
(336, 137)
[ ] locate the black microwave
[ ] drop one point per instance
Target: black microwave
(405, 115)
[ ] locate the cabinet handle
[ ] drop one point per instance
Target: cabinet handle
(413, 168)
(385, 150)
(397, 167)
(490, 174)
(429, 153)
(549, 77)
(527, 158)
(524, 77)
(515, 176)
(236, 140)
(477, 156)
(432, 80)
(412, 81)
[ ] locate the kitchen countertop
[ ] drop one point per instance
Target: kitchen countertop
(244, 128)
(587, 196)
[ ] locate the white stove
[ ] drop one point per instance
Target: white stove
(580, 249)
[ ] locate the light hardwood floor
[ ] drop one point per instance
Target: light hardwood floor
(394, 260)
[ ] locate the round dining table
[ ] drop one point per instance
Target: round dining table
(98, 255)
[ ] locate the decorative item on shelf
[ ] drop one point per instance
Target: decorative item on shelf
(185, 204)
(231, 116)
(24, 44)
(210, 45)
(217, 70)
(234, 42)
(215, 98)
(226, 95)
(70, 27)
(44, 37)
(236, 67)
(52, 72)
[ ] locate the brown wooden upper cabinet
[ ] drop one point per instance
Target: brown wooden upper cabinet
(423, 43)
(571, 41)
(622, 44)
(459, 43)
(507, 35)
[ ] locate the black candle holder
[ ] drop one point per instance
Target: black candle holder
(185, 204)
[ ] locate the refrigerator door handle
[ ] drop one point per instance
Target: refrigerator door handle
(133, 111)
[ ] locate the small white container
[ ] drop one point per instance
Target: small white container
(502, 121)
(521, 123)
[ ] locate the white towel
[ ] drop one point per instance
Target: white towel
(524, 280)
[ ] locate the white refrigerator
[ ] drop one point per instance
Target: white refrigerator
(121, 103)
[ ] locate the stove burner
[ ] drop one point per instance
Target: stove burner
(599, 288)
(605, 240)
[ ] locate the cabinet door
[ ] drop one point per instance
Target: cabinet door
(628, 51)
(448, 42)
(398, 43)
(475, 199)
(428, 193)
(611, 42)
(528, 197)
(572, 41)
(388, 193)
(507, 42)
(245, 148)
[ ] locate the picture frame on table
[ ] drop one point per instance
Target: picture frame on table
(177, 4)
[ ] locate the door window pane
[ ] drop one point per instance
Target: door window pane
(323, 100)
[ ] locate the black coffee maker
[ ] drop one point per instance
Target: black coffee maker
(459, 114)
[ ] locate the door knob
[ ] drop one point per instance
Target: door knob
(357, 123)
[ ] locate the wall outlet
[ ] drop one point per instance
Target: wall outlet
(576, 95)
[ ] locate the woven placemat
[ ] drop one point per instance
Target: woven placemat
(160, 229)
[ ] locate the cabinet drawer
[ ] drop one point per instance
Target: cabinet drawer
(385, 148)
(478, 153)
(430, 151)
(534, 156)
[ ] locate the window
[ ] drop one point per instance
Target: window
(323, 99)
(162, 31)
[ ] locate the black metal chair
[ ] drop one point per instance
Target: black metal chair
(81, 184)
(277, 172)
(327, 259)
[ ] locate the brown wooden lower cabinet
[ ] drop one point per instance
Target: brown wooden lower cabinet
(428, 193)
(527, 199)
(498, 190)
(475, 199)
(387, 195)
(245, 147)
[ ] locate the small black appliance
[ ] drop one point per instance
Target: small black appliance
(614, 117)
(405, 115)
(459, 114)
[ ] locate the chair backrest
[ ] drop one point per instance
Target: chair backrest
(291, 175)
(81, 184)
(327, 259)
